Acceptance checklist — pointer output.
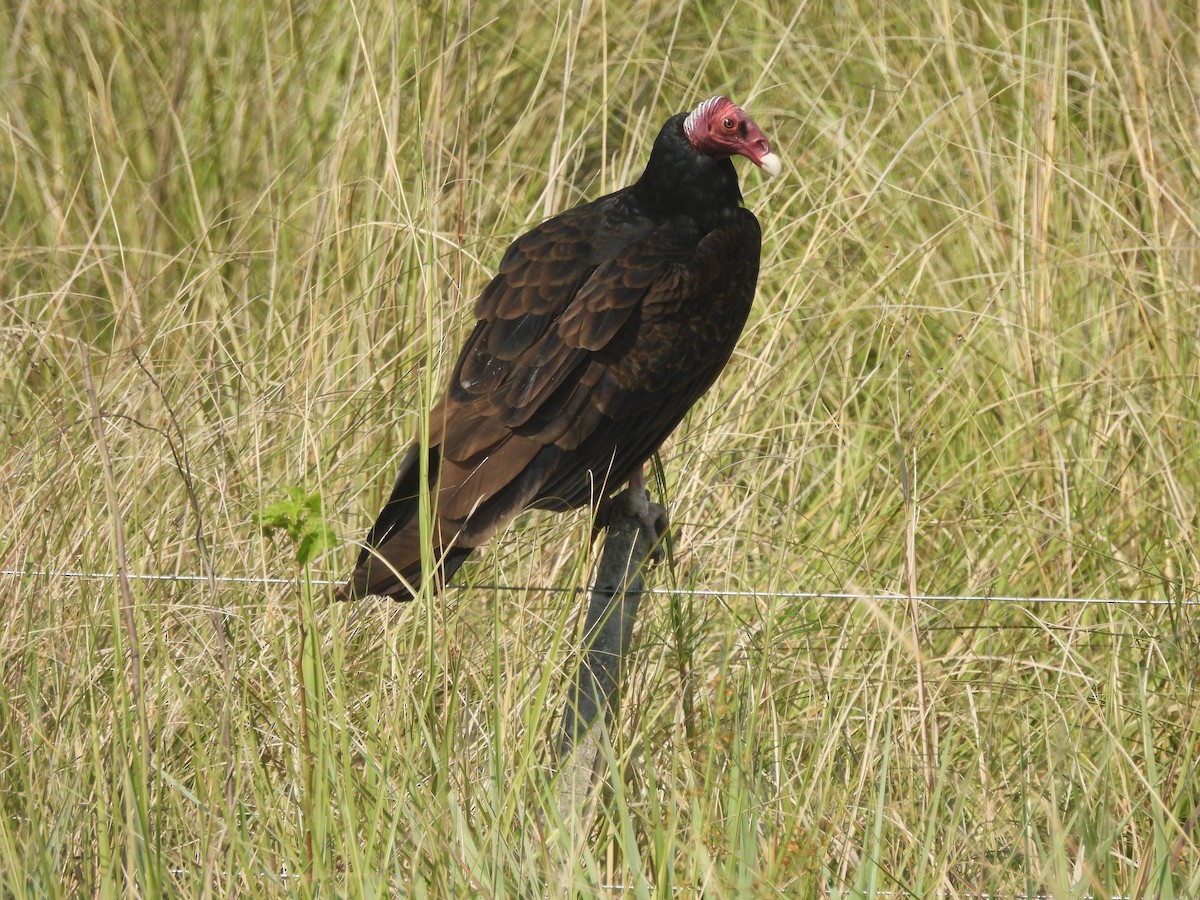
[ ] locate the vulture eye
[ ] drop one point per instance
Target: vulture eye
(727, 123)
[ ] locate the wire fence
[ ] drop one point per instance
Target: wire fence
(724, 593)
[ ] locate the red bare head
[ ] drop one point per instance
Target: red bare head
(721, 129)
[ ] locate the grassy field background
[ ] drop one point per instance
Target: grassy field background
(239, 243)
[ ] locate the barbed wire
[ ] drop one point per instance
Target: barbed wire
(726, 593)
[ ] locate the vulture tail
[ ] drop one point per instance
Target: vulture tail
(389, 564)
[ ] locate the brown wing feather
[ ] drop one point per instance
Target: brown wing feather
(585, 357)
(690, 323)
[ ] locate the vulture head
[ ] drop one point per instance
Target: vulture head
(720, 128)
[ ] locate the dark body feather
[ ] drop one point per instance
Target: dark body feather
(600, 329)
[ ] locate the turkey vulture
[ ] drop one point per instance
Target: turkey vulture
(602, 326)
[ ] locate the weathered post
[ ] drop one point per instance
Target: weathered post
(594, 696)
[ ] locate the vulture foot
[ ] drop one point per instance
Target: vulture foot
(634, 502)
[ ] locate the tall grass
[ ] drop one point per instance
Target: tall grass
(250, 236)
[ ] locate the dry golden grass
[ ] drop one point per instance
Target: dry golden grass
(973, 368)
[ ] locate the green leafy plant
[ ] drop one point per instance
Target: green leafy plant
(299, 516)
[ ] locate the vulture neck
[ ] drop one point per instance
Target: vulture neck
(680, 181)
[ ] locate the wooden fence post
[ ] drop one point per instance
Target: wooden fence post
(594, 696)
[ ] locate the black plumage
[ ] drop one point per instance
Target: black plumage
(600, 329)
